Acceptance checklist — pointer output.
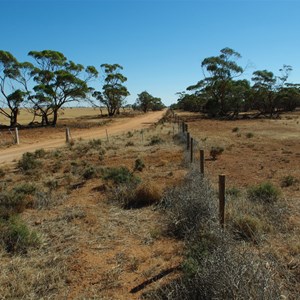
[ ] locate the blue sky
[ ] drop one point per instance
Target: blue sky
(160, 43)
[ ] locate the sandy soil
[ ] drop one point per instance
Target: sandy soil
(36, 138)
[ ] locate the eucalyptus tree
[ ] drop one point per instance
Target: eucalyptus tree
(59, 81)
(113, 91)
(270, 90)
(146, 102)
(14, 77)
(219, 73)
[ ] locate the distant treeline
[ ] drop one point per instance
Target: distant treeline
(52, 82)
(220, 94)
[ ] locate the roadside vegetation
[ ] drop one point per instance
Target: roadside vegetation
(99, 218)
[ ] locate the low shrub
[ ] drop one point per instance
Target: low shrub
(248, 228)
(16, 237)
(120, 175)
(132, 196)
(249, 135)
(129, 144)
(235, 129)
(28, 162)
(16, 200)
(139, 165)
(288, 181)
(40, 153)
(265, 193)
(95, 143)
(215, 152)
(89, 172)
(190, 205)
(155, 140)
(2, 173)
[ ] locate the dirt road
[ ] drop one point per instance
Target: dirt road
(52, 139)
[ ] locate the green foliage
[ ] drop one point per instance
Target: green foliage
(233, 192)
(249, 135)
(216, 151)
(28, 162)
(139, 165)
(155, 140)
(89, 172)
(264, 193)
(146, 102)
(40, 153)
(58, 81)
(114, 92)
(120, 175)
(15, 200)
(95, 143)
(289, 180)
(129, 144)
(16, 237)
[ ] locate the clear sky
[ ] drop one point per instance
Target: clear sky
(160, 43)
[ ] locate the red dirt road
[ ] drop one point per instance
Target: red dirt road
(51, 139)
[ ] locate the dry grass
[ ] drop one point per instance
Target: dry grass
(91, 248)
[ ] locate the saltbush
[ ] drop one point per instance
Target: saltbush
(265, 193)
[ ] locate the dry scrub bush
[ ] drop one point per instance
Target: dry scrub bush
(15, 236)
(190, 205)
(215, 265)
(220, 272)
(132, 196)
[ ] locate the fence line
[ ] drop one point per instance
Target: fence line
(190, 141)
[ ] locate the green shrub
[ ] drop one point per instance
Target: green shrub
(129, 144)
(28, 162)
(16, 237)
(233, 192)
(249, 135)
(139, 165)
(11, 202)
(129, 134)
(120, 175)
(95, 143)
(40, 153)
(89, 172)
(216, 151)
(24, 188)
(2, 172)
(288, 181)
(155, 140)
(264, 193)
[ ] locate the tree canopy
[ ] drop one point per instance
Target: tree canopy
(222, 93)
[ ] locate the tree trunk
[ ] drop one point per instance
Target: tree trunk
(14, 117)
(55, 117)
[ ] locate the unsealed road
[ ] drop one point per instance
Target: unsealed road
(15, 152)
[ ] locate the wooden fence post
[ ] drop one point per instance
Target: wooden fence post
(17, 140)
(202, 162)
(106, 134)
(68, 138)
(187, 141)
(222, 200)
(192, 150)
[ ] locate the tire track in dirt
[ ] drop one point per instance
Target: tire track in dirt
(120, 125)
